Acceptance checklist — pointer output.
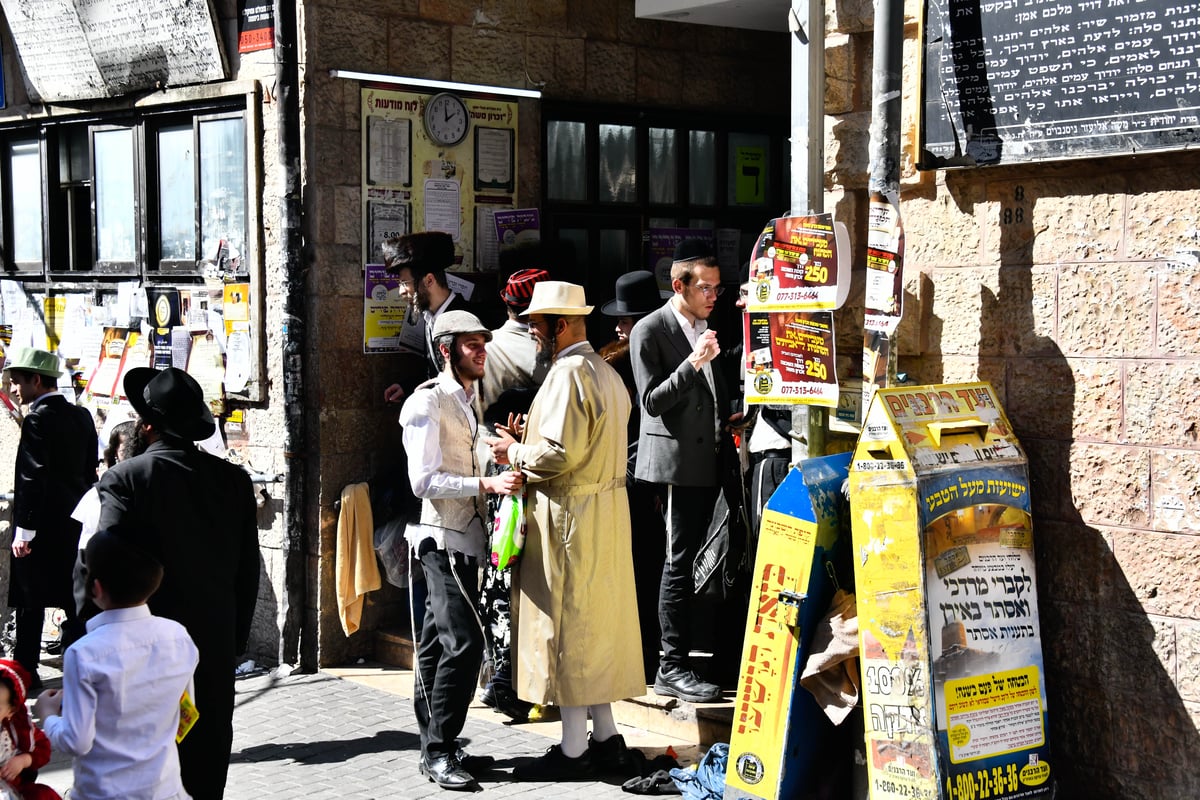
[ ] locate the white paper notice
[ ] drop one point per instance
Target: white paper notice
(237, 361)
(487, 246)
(443, 208)
(494, 158)
(389, 153)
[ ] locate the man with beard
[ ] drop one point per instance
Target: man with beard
(195, 513)
(684, 407)
(420, 260)
(56, 464)
(576, 628)
(441, 429)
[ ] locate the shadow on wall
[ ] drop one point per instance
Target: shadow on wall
(1119, 729)
(264, 629)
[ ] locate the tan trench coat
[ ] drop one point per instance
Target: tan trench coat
(575, 629)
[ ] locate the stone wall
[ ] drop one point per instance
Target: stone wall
(573, 50)
(1072, 287)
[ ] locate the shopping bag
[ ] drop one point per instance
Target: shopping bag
(508, 530)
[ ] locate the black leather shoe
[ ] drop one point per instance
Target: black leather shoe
(447, 773)
(505, 700)
(684, 684)
(554, 766)
(611, 756)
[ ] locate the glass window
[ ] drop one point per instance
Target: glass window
(72, 203)
(116, 213)
(702, 168)
(662, 166)
(177, 194)
(223, 185)
(566, 161)
(618, 164)
(25, 167)
(749, 169)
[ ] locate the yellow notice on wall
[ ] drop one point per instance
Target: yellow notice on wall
(750, 176)
(993, 714)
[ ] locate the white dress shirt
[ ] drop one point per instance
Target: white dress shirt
(421, 416)
(122, 683)
(691, 331)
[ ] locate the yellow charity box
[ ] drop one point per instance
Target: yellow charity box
(954, 692)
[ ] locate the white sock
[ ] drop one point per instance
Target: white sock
(574, 731)
(604, 727)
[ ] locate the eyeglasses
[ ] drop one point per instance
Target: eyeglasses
(709, 290)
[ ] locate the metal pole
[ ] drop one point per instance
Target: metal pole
(884, 180)
(293, 649)
(807, 23)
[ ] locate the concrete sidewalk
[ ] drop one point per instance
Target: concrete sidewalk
(328, 737)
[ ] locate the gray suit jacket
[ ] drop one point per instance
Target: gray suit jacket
(677, 444)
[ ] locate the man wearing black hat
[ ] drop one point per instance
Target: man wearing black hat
(685, 405)
(56, 464)
(196, 514)
(420, 260)
(637, 296)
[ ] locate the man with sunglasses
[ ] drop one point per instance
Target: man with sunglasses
(685, 404)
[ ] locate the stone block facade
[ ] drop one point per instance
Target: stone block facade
(1072, 287)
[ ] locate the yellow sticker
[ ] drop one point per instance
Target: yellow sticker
(188, 714)
(1035, 774)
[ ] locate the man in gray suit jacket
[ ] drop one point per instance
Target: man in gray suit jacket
(684, 405)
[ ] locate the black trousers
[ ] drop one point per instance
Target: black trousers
(689, 513)
(27, 649)
(450, 650)
(204, 752)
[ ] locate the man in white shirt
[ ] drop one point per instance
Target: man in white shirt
(441, 437)
(685, 404)
(118, 711)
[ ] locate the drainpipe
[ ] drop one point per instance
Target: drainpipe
(294, 647)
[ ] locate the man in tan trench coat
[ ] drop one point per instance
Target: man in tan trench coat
(575, 636)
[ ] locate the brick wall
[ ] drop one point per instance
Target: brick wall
(1072, 287)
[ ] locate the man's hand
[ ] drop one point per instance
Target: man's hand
(49, 704)
(736, 423)
(500, 445)
(20, 549)
(12, 769)
(507, 482)
(706, 349)
(516, 425)
(393, 393)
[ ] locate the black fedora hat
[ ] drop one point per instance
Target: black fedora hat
(692, 249)
(421, 253)
(637, 295)
(171, 401)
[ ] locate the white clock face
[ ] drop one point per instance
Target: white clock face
(446, 119)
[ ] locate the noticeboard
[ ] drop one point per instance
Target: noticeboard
(1011, 81)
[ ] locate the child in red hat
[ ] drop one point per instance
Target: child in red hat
(24, 749)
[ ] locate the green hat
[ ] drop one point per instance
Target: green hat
(31, 359)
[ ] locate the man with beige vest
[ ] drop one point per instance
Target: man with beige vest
(576, 628)
(441, 434)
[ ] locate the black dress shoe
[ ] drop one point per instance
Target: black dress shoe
(505, 700)
(447, 773)
(684, 684)
(555, 766)
(611, 756)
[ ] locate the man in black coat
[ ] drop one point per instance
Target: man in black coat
(56, 465)
(196, 514)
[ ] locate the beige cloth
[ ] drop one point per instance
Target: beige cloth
(575, 629)
(830, 673)
(355, 567)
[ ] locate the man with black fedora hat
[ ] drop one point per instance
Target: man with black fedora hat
(196, 514)
(420, 261)
(637, 296)
(56, 465)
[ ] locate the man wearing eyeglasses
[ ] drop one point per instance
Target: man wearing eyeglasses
(685, 404)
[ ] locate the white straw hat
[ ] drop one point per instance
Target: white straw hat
(558, 297)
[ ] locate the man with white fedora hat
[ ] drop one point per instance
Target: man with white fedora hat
(197, 515)
(56, 464)
(576, 628)
(441, 431)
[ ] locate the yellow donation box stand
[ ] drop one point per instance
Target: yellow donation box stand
(778, 727)
(953, 679)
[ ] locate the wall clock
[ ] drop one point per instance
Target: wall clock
(446, 119)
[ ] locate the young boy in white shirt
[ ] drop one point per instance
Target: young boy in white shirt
(128, 673)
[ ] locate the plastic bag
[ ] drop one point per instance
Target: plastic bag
(508, 531)
(393, 551)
